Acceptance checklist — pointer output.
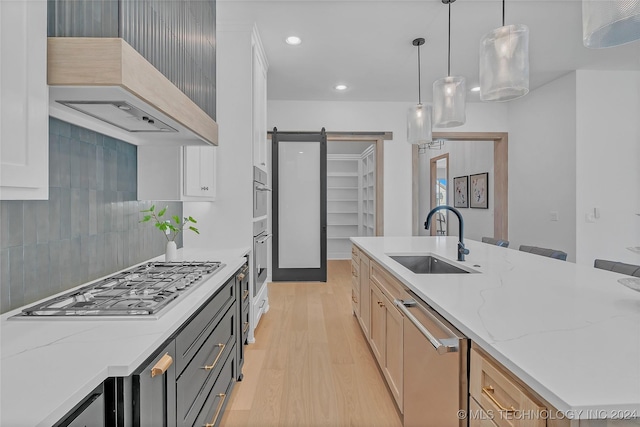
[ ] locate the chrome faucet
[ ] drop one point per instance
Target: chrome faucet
(462, 251)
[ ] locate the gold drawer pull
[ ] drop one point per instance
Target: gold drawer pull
(210, 367)
(240, 276)
(488, 390)
(222, 397)
(245, 294)
(246, 327)
(162, 365)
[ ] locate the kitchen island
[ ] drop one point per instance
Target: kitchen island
(49, 365)
(571, 333)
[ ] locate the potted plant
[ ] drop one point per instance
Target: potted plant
(169, 228)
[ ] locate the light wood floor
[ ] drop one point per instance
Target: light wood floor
(310, 364)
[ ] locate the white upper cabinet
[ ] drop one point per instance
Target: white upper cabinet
(259, 108)
(199, 172)
(24, 97)
(177, 173)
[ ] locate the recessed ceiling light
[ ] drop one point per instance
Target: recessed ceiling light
(475, 89)
(293, 40)
(340, 87)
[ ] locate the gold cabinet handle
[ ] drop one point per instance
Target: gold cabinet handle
(162, 365)
(210, 367)
(222, 397)
(246, 327)
(380, 304)
(488, 390)
(240, 276)
(245, 294)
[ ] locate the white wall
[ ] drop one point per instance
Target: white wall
(227, 222)
(608, 165)
(465, 158)
(379, 116)
(542, 167)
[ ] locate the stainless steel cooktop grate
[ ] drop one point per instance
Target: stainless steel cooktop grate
(142, 290)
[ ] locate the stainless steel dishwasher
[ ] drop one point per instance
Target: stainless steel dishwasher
(435, 368)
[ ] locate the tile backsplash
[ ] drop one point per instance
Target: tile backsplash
(88, 228)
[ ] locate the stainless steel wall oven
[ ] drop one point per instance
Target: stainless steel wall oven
(260, 239)
(260, 192)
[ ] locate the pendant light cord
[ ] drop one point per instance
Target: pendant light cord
(419, 88)
(503, 1)
(449, 45)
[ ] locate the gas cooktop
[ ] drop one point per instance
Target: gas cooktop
(139, 291)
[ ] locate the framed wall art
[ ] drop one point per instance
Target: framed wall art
(479, 197)
(461, 192)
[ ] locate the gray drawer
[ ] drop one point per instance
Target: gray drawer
(191, 338)
(193, 385)
(217, 400)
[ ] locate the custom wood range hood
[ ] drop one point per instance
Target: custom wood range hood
(105, 85)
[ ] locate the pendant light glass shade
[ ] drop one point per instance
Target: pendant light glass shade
(419, 124)
(504, 63)
(449, 99)
(449, 93)
(419, 116)
(610, 23)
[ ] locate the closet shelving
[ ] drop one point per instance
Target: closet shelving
(342, 203)
(350, 200)
(368, 192)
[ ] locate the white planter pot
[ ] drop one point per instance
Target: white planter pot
(171, 253)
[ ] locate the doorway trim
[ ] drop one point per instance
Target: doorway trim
(433, 175)
(500, 180)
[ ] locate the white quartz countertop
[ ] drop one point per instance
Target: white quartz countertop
(48, 366)
(570, 332)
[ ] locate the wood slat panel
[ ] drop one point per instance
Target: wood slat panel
(74, 61)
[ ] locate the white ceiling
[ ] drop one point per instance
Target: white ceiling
(366, 44)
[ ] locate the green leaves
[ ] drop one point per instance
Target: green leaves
(170, 230)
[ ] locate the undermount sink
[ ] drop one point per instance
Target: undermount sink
(427, 264)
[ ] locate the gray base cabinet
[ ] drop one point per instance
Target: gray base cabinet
(242, 279)
(218, 397)
(154, 387)
(198, 378)
(187, 381)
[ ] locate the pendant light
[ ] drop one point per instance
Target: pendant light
(610, 23)
(449, 93)
(504, 62)
(419, 116)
